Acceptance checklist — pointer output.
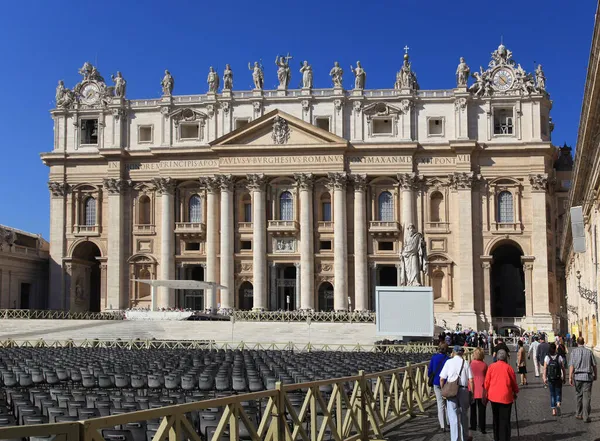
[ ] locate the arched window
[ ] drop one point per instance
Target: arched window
(326, 207)
(437, 207)
(505, 207)
(89, 214)
(195, 209)
(386, 207)
(286, 206)
(144, 211)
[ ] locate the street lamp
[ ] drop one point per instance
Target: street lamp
(587, 294)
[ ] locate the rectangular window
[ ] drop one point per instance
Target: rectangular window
(326, 211)
(189, 131)
(144, 134)
(382, 126)
(325, 245)
(544, 125)
(246, 245)
(89, 131)
(192, 246)
(247, 212)
(241, 122)
(503, 121)
(386, 245)
(435, 127)
(322, 123)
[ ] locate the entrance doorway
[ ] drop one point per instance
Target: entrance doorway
(25, 296)
(326, 297)
(193, 298)
(245, 296)
(286, 288)
(85, 279)
(388, 275)
(508, 282)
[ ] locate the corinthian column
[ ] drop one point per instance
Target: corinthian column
(259, 241)
(539, 249)
(115, 291)
(227, 276)
(307, 251)
(337, 182)
(361, 290)
(407, 184)
(58, 207)
(212, 239)
(165, 188)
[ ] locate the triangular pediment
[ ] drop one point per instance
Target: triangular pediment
(279, 129)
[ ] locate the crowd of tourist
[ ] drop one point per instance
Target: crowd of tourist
(462, 387)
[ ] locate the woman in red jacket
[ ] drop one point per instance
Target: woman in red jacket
(479, 369)
(501, 386)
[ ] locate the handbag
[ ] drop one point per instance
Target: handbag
(450, 389)
(432, 374)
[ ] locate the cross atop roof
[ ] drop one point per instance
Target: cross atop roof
(406, 49)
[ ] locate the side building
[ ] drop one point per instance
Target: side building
(23, 270)
(300, 198)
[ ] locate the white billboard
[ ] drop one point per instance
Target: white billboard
(404, 311)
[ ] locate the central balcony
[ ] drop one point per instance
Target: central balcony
(245, 227)
(384, 228)
(197, 229)
(283, 227)
(325, 226)
(86, 230)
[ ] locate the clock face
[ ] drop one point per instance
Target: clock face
(503, 79)
(90, 93)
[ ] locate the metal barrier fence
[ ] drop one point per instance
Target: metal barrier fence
(302, 316)
(409, 348)
(32, 314)
(356, 407)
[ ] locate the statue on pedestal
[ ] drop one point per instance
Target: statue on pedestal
(307, 75)
(540, 78)
(257, 75)
(227, 78)
(120, 84)
(212, 80)
(360, 76)
(167, 83)
(284, 75)
(462, 73)
(336, 73)
(64, 97)
(413, 258)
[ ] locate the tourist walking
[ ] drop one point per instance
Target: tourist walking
(479, 369)
(435, 368)
(522, 362)
(542, 351)
(501, 386)
(554, 376)
(533, 347)
(500, 345)
(457, 368)
(582, 373)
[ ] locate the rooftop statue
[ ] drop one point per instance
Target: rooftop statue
(307, 75)
(336, 73)
(284, 74)
(212, 80)
(462, 73)
(501, 56)
(64, 97)
(227, 78)
(257, 75)
(405, 77)
(90, 73)
(540, 78)
(360, 76)
(167, 83)
(120, 85)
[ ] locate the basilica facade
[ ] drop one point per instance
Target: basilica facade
(300, 198)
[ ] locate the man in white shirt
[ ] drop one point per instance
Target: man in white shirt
(533, 347)
(458, 407)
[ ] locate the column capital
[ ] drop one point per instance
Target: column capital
(539, 182)
(407, 181)
(486, 262)
(58, 189)
(164, 185)
(305, 181)
(359, 181)
(256, 181)
(226, 182)
(527, 262)
(114, 185)
(337, 181)
(211, 183)
(462, 180)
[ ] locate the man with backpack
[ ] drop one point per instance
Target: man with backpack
(582, 374)
(554, 376)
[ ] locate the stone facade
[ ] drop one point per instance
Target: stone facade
(23, 270)
(299, 198)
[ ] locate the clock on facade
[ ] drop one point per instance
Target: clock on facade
(90, 93)
(503, 79)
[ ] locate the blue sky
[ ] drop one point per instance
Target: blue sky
(43, 41)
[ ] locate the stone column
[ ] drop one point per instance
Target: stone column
(58, 207)
(373, 269)
(298, 285)
(227, 236)
(166, 190)
(407, 182)
(539, 249)
(115, 290)
(212, 239)
(361, 286)
(337, 183)
(486, 265)
(462, 183)
(273, 286)
(259, 240)
(307, 249)
(528, 273)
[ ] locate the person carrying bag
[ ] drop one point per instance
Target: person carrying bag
(457, 393)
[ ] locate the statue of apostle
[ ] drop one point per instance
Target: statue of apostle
(167, 83)
(413, 257)
(336, 73)
(227, 78)
(540, 78)
(212, 80)
(120, 84)
(257, 75)
(462, 73)
(307, 75)
(284, 75)
(360, 76)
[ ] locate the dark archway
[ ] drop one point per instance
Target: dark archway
(507, 282)
(388, 275)
(85, 280)
(245, 296)
(326, 297)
